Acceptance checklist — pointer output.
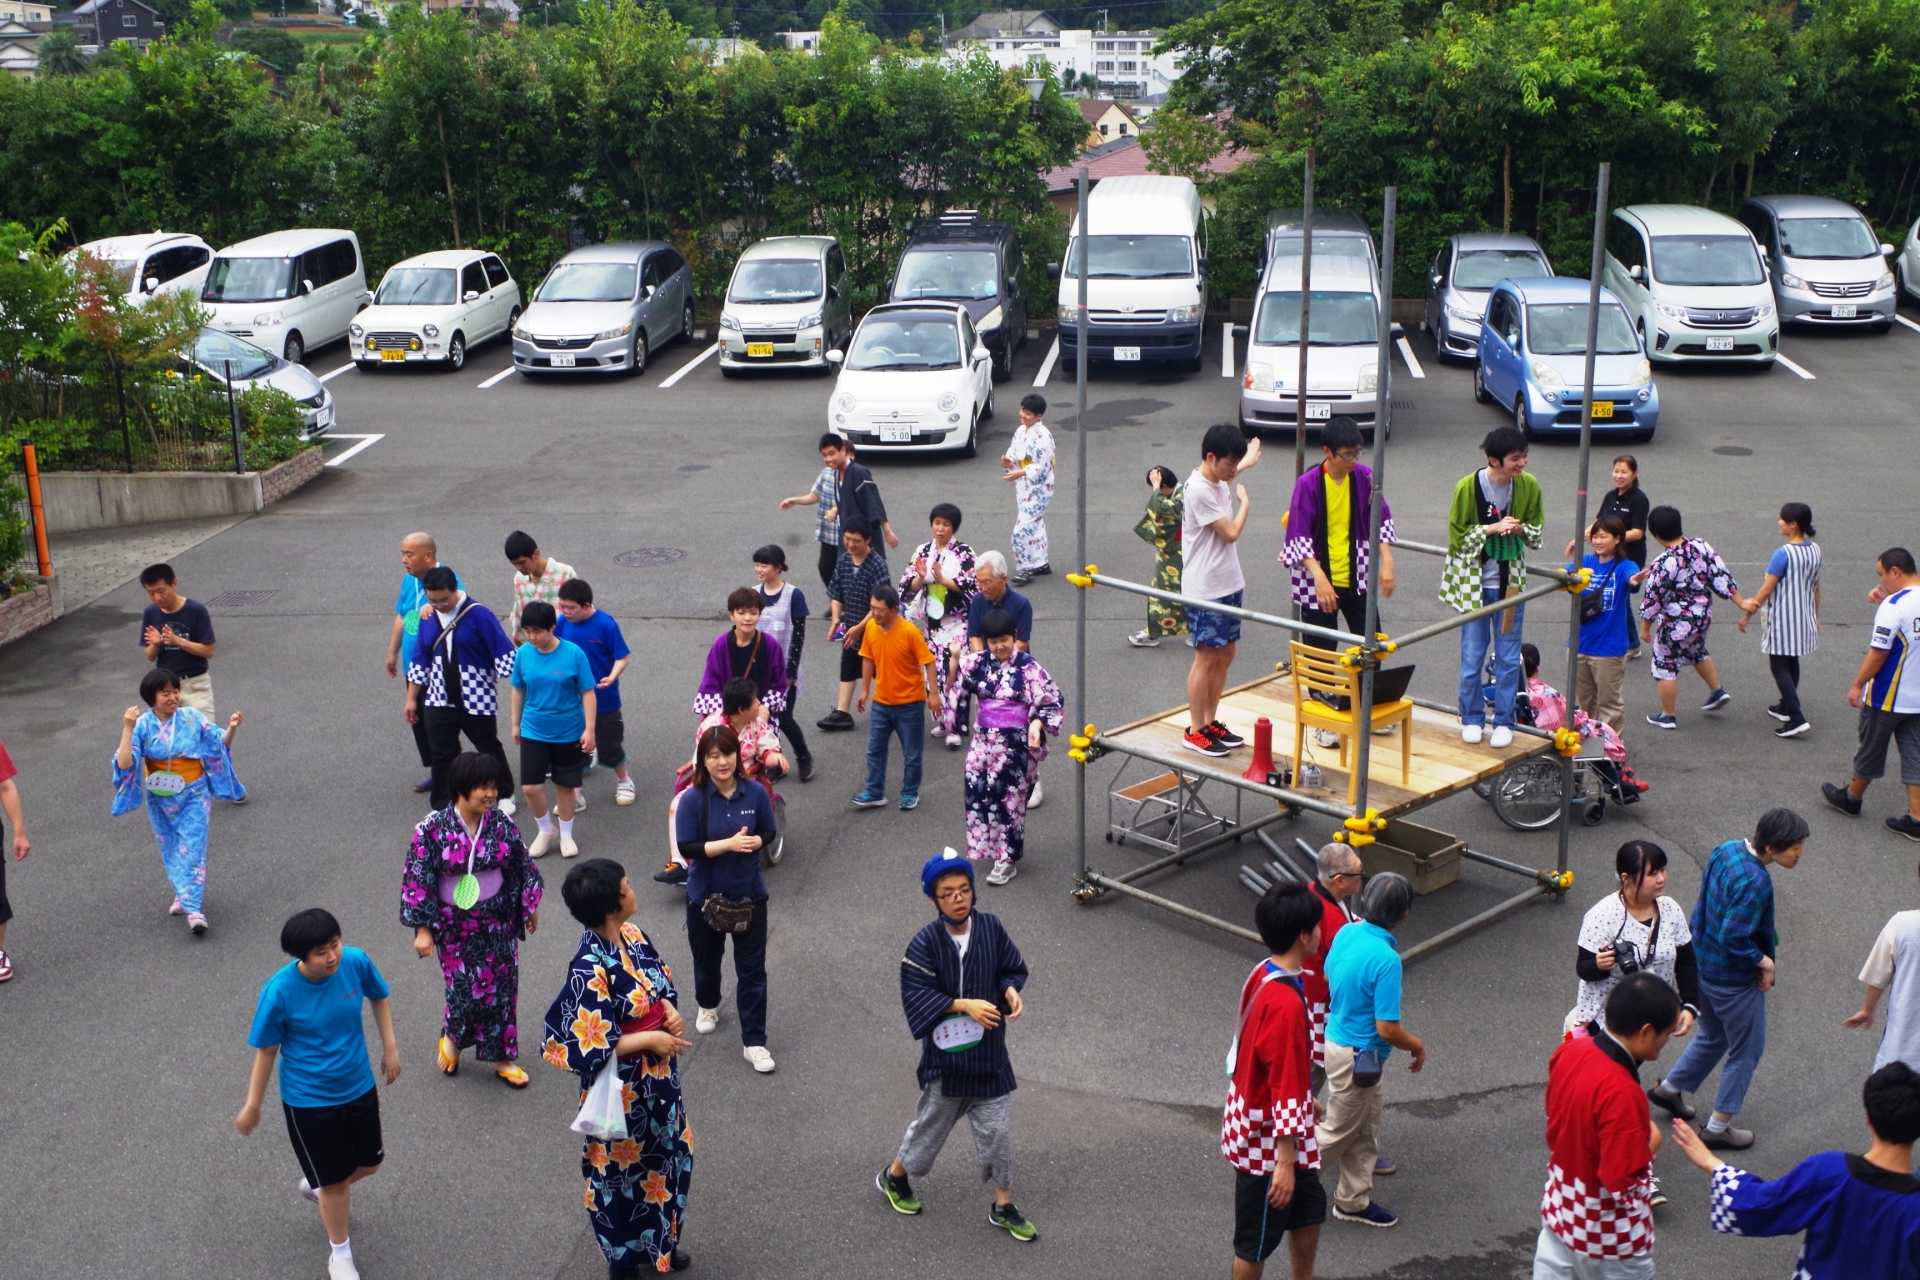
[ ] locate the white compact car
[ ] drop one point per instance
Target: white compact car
(154, 263)
(915, 378)
(434, 308)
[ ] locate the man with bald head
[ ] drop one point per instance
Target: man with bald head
(418, 553)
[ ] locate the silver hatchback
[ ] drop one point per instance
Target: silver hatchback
(606, 309)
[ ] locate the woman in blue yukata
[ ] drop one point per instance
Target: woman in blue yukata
(617, 1010)
(185, 761)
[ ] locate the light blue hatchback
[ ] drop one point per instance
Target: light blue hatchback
(1532, 360)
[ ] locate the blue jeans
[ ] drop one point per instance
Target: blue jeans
(1476, 638)
(908, 719)
(1733, 1025)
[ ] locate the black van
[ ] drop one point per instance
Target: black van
(974, 261)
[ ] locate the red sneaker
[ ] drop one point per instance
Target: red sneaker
(1198, 740)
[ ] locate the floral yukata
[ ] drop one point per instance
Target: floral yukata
(479, 947)
(1031, 448)
(1678, 601)
(1160, 527)
(1001, 768)
(185, 754)
(947, 633)
(636, 1192)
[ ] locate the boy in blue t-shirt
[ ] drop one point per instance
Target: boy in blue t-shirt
(1603, 635)
(554, 708)
(598, 636)
(309, 1016)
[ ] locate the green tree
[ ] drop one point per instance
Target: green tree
(60, 54)
(271, 45)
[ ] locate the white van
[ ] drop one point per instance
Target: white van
(1694, 283)
(290, 292)
(155, 262)
(1147, 273)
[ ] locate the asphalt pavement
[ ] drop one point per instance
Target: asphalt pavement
(123, 1050)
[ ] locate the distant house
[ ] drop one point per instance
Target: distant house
(102, 22)
(722, 50)
(1122, 157)
(508, 7)
(1107, 120)
(19, 45)
(1006, 25)
(801, 41)
(28, 11)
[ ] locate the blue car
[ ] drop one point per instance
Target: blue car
(1532, 360)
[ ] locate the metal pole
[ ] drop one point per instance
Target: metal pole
(1363, 745)
(36, 508)
(1459, 620)
(1250, 615)
(1306, 310)
(1468, 925)
(233, 419)
(1518, 868)
(1180, 909)
(1080, 529)
(1553, 571)
(126, 432)
(1282, 794)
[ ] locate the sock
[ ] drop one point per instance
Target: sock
(344, 1249)
(545, 822)
(566, 828)
(1716, 1125)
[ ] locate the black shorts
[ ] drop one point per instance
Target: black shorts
(610, 739)
(332, 1142)
(6, 908)
(564, 762)
(1258, 1226)
(850, 669)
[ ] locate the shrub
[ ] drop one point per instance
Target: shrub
(271, 427)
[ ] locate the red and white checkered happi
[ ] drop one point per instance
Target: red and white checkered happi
(1318, 1015)
(1250, 1138)
(1595, 1222)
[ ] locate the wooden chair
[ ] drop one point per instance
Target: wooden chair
(1319, 671)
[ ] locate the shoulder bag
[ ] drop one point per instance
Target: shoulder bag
(723, 914)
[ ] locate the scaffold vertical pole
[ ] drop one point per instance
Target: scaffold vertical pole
(1080, 531)
(1382, 418)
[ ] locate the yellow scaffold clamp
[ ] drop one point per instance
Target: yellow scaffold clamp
(1582, 579)
(1566, 742)
(1558, 880)
(1357, 832)
(1384, 643)
(1354, 658)
(1084, 579)
(1083, 746)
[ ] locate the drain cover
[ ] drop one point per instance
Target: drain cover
(649, 557)
(241, 599)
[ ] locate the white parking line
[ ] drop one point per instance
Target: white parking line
(365, 442)
(1406, 353)
(688, 367)
(1046, 366)
(497, 378)
(1910, 324)
(331, 374)
(1226, 348)
(1794, 367)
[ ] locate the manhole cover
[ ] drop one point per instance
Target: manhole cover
(1734, 451)
(649, 557)
(241, 599)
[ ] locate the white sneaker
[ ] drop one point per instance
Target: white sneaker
(568, 849)
(340, 1267)
(1142, 640)
(579, 799)
(505, 805)
(542, 842)
(1003, 871)
(1470, 733)
(1500, 737)
(757, 1054)
(1033, 799)
(623, 792)
(953, 742)
(706, 1020)
(1325, 738)
(305, 1188)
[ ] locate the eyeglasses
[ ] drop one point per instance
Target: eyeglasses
(1347, 455)
(954, 895)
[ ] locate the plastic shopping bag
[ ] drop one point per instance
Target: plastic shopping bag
(601, 1115)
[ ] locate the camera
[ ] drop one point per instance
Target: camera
(1626, 956)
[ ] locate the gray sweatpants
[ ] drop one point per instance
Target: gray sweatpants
(934, 1118)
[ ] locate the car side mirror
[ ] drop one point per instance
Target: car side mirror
(836, 357)
(1053, 271)
(469, 295)
(649, 290)
(366, 299)
(980, 352)
(306, 286)
(1636, 272)
(1886, 250)
(152, 283)
(1433, 280)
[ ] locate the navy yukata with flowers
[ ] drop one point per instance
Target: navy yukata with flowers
(1001, 766)
(636, 1187)
(1678, 601)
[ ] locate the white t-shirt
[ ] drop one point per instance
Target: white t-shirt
(962, 940)
(1211, 564)
(1608, 920)
(1896, 630)
(1894, 966)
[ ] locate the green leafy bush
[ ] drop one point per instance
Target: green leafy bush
(271, 427)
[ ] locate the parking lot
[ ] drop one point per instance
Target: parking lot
(656, 489)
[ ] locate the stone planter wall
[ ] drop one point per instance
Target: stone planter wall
(31, 609)
(77, 500)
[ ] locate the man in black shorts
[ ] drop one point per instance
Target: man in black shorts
(10, 806)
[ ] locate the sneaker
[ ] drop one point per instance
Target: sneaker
(305, 1188)
(1779, 713)
(806, 769)
(1905, 825)
(1841, 799)
(1670, 1101)
(568, 849)
(340, 1267)
(623, 792)
(6, 967)
(176, 909)
(1003, 871)
(1013, 1222)
(1656, 1197)
(1326, 738)
(1194, 740)
(197, 923)
(672, 873)
(423, 786)
(1034, 797)
(757, 1054)
(1731, 1138)
(1471, 734)
(1716, 700)
(505, 805)
(542, 841)
(954, 742)
(1374, 1215)
(1141, 640)
(1661, 720)
(909, 803)
(1502, 736)
(1223, 735)
(1384, 1168)
(898, 1191)
(579, 799)
(835, 720)
(865, 801)
(1792, 729)
(706, 1020)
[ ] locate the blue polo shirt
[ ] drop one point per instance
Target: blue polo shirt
(598, 636)
(1363, 986)
(317, 1029)
(978, 607)
(704, 814)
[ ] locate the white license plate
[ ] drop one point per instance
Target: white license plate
(562, 362)
(1720, 342)
(1845, 310)
(895, 434)
(1318, 412)
(1126, 353)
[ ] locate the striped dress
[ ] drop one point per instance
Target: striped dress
(1792, 630)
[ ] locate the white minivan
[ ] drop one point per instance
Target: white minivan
(1694, 283)
(155, 262)
(290, 291)
(1146, 265)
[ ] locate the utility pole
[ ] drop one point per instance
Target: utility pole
(943, 33)
(1103, 19)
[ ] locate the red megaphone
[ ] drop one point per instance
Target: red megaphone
(1262, 770)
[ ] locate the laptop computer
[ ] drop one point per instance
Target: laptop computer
(1389, 685)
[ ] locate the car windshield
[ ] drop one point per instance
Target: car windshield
(416, 287)
(906, 340)
(1340, 319)
(1485, 268)
(1713, 260)
(964, 274)
(215, 351)
(1133, 257)
(1560, 329)
(249, 280)
(776, 280)
(589, 282)
(1835, 238)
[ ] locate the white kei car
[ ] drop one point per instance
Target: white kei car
(916, 378)
(434, 308)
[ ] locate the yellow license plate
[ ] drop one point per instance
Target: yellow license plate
(759, 348)
(1603, 408)
(393, 355)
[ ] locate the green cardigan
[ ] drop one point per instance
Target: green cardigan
(1460, 576)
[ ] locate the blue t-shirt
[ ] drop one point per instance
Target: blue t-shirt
(735, 875)
(1606, 635)
(598, 636)
(978, 607)
(553, 683)
(316, 1026)
(407, 604)
(1363, 986)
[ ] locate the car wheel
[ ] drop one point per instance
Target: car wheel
(1480, 384)
(726, 371)
(637, 362)
(972, 446)
(457, 352)
(296, 349)
(686, 321)
(986, 410)
(513, 322)
(1901, 288)
(1003, 362)
(1520, 417)
(367, 366)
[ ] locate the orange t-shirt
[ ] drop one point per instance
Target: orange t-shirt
(898, 653)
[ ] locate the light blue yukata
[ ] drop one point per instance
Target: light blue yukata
(180, 821)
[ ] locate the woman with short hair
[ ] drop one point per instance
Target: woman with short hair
(933, 596)
(471, 893)
(1791, 592)
(617, 1011)
(1018, 706)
